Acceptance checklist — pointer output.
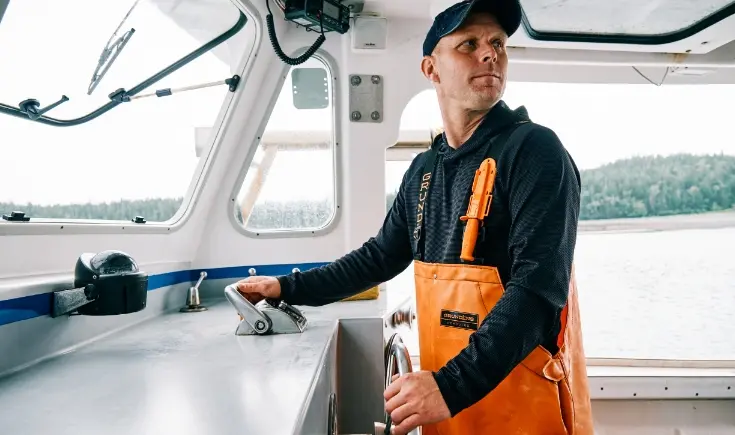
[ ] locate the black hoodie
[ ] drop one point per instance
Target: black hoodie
(529, 236)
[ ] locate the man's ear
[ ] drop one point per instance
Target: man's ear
(429, 69)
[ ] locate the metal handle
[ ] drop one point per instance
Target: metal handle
(201, 278)
(332, 415)
(398, 360)
(259, 322)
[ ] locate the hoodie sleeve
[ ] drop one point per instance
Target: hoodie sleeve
(379, 259)
(541, 187)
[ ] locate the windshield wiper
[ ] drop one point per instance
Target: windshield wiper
(29, 108)
(111, 51)
(108, 51)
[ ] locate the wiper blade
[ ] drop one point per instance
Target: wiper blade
(111, 51)
(108, 53)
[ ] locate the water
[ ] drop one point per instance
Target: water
(657, 295)
(668, 295)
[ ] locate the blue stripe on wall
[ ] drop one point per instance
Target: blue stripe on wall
(29, 307)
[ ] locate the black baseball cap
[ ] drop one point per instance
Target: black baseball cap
(507, 12)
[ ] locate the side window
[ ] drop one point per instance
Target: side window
(291, 183)
(657, 212)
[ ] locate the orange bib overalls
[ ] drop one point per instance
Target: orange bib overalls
(543, 395)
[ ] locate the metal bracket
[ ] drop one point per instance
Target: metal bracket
(66, 301)
(366, 98)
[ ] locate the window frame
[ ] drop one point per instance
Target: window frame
(54, 226)
(630, 39)
(331, 65)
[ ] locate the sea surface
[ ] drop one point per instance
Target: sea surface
(653, 295)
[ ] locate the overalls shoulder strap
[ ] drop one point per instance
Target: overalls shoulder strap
(431, 157)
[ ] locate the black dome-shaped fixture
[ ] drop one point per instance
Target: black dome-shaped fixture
(105, 284)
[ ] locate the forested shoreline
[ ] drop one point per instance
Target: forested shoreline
(682, 184)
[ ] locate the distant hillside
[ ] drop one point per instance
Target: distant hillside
(659, 186)
(635, 187)
(156, 209)
(656, 186)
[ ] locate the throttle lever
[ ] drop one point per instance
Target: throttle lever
(268, 316)
(259, 323)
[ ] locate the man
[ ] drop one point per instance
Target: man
(499, 334)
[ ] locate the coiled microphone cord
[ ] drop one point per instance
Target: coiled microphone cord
(277, 48)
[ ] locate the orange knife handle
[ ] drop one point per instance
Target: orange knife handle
(478, 208)
(470, 239)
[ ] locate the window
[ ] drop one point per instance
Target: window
(137, 159)
(417, 129)
(653, 261)
(290, 184)
(629, 17)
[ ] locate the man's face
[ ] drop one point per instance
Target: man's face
(470, 64)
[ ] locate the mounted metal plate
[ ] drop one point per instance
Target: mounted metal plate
(310, 88)
(366, 98)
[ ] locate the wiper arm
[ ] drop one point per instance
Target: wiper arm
(110, 52)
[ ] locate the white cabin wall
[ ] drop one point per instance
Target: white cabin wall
(366, 142)
(220, 242)
(361, 151)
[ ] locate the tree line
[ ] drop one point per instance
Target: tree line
(628, 188)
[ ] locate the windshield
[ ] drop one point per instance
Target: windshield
(140, 158)
(51, 49)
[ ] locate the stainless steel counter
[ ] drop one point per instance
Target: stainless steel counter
(180, 373)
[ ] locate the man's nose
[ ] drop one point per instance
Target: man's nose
(489, 54)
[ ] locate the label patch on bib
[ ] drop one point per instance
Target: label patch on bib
(456, 319)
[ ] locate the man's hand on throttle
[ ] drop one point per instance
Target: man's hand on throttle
(413, 400)
(257, 288)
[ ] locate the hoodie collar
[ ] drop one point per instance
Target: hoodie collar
(499, 117)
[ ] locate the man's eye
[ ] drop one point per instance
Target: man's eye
(469, 43)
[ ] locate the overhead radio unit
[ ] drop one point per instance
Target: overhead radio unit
(320, 16)
(331, 15)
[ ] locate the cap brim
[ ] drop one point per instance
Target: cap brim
(508, 14)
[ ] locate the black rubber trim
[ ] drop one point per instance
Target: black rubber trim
(663, 38)
(120, 95)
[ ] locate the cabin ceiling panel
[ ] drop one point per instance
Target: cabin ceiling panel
(664, 26)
